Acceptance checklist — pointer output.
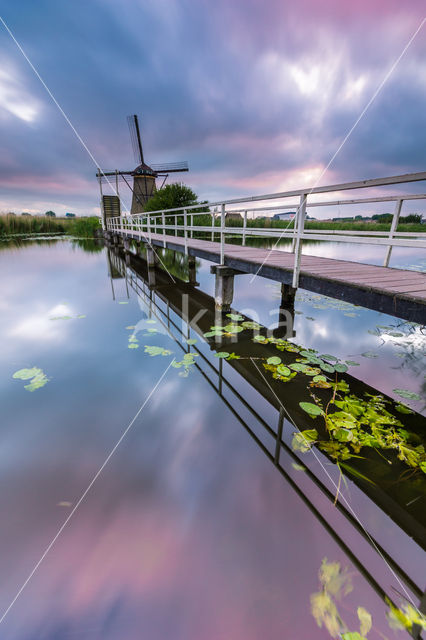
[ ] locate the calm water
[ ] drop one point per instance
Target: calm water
(189, 531)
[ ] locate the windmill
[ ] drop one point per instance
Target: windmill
(144, 175)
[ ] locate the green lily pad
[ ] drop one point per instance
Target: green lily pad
(312, 409)
(319, 379)
(274, 360)
(404, 393)
(402, 408)
(283, 370)
(221, 354)
(133, 345)
(340, 368)
(157, 351)
(250, 325)
(37, 376)
(26, 374)
(191, 341)
(352, 363)
(328, 368)
(235, 317)
(369, 354)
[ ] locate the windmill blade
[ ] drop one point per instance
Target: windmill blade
(135, 137)
(170, 167)
(111, 177)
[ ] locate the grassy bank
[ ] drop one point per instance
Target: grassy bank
(84, 227)
(29, 225)
(13, 225)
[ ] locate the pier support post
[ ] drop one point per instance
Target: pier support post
(224, 287)
(151, 256)
(126, 244)
(192, 271)
(151, 277)
(286, 313)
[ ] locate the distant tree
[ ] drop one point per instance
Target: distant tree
(51, 214)
(415, 218)
(173, 196)
(24, 213)
(10, 213)
(382, 217)
(70, 215)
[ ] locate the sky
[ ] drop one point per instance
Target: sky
(256, 96)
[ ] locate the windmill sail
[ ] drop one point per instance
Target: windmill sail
(135, 136)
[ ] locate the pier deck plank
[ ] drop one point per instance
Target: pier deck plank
(399, 292)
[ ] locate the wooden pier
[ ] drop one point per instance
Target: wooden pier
(398, 292)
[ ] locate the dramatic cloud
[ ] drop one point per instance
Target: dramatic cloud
(256, 96)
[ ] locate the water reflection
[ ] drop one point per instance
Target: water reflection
(189, 532)
(154, 296)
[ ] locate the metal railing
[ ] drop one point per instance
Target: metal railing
(182, 220)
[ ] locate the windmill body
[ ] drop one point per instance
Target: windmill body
(141, 181)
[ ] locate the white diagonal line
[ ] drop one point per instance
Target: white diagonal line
(347, 136)
(84, 494)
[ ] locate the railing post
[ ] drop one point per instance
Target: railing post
(185, 230)
(295, 223)
(393, 228)
(213, 221)
(148, 218)
(192, 224)
(244, 228)
(222, 235)
(163, 218)
(301, 214)
(102, 201)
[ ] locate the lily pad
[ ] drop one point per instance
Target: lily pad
(369, 354)
(328, 368)
(298, 366)
(312, 409)
(133, 345)
(191, 341)
(37, 376)
(250, 325)
(26, 374)
(319, 379)
(283, 370)
(157, 351)
(404, 393)
(402, 408)
(235, 317)
(327, 356)
(352, 363)
(221, 354)
(274, 360)
(340, 368)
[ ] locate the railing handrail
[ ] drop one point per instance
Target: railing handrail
(155, 221)
(344, 186)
